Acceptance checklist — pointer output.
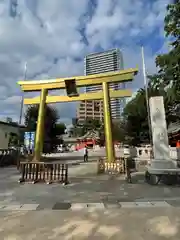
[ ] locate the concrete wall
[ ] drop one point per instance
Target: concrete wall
(5, 131)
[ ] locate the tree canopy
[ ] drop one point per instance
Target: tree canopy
(31, 117)
(79, 130)
(60, 128)
(169, 63)
(166, 83)
(90, 124)
(52, 128)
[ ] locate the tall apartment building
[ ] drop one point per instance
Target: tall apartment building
(108, 61)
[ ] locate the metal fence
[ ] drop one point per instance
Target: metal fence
(8, 157)
(117, 167)
(44, 172)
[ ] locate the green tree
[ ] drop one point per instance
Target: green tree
(88, 125)
(31, 117)
(118, 130)
(22, 130)
(13, 139)
(51, 118)
(169, 64)
(166, 83)
(136, 118)
(60, 128)
(136, 112)
(76, 130)
(91, 124)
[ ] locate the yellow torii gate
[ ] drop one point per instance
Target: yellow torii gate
(70, 85)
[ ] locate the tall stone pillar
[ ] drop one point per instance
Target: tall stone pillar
(161, 151)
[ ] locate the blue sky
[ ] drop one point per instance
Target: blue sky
(53, 36)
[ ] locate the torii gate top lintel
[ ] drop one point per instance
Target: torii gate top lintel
(81, 81)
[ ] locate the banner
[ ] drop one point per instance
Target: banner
(29, 140)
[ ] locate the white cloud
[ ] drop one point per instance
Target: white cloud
(13, 100)
(47, 34)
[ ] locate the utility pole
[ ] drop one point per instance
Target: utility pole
(22, 98)
(20, 119)
(13, 8)
(146, 92)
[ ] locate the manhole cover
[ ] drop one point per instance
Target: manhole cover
(62, 206)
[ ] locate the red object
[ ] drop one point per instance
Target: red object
(85, 142)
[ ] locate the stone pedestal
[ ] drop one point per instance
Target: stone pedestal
(160, 164)
(162, 167)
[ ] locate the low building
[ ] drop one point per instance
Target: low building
(8, 130)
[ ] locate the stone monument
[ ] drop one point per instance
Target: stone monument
(162, 161)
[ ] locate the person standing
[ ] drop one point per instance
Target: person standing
(85, 154)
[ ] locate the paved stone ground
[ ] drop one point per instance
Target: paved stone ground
(90, 207)
(84, 206)
(85, 187)
(126, 224)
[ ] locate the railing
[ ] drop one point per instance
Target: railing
(117, 167)
(8, 157)
(143, 152)
(175, 153)
(44, 172)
